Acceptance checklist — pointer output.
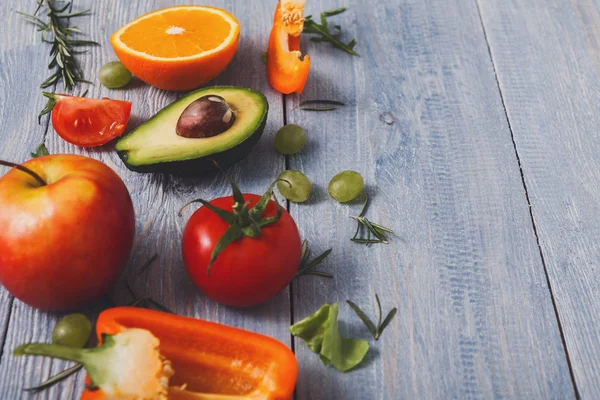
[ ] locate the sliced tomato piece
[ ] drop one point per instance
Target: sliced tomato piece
(89, 122)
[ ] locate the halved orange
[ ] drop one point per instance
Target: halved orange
(178, 48)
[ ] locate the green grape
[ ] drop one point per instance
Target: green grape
(297, 188)
(290, 139)
(72, 330)
(114, 75)
(346, 186)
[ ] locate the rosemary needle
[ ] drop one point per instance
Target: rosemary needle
(379, 232)
(375, 330)
(311, 27)
(308, 267)
(55, 379)
(60, 36)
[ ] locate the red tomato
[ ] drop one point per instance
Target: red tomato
(250, 270)
(89, 122)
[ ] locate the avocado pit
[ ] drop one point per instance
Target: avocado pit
(205, 117)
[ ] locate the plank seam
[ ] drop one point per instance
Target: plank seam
(44, 137)
(287, 205)
(8, 319)
(537, 239)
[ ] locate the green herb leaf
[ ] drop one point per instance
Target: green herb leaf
(368, 323)
(335, 12)
(322, 30)
(387, 320)
(308, 267)
(55, 379)
(333, 102)
(376, 331)
(318, 108)
(55, 32)
(148, 263)
(321, 334)
(378, 231)
(40, 151)
(263, 57)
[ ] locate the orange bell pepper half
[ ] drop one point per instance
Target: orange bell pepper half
(287, 71)
(211, 361)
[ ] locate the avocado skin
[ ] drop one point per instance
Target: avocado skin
(197, 166)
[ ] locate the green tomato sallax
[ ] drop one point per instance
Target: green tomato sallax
(346, 186)
(297, 188)
(114, 75)
(290, 139)
(72, 330)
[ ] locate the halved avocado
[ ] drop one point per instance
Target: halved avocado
(155, 145)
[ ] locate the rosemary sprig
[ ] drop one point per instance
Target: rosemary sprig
(308, 267)
(329, 105)
(40, 151)
(63, 50)
(380, 233)
(146, 302)
(376, 330)
(313, 28)
(55, 379)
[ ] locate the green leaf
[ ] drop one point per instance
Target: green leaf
(379, 312)
(318, 108)
(259, 208)
(271, 220)
(223, 214)
(366, 320)
(52, 99)
(387, 320)
(333, 102)
(237, 193)
(308, 267)
(312, 27)
(320, 332)
(40, 151)
(231, 235)
(305, 252)
(331, 13)
(263, 57)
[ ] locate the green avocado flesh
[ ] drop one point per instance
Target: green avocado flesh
(155, 146)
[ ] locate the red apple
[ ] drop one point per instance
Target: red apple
(65, 243)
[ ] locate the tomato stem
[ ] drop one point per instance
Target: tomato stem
(24, 169)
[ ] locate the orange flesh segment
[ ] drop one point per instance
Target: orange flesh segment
(174, 34)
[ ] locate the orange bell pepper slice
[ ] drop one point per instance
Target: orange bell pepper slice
(287, 71)
(211, 361)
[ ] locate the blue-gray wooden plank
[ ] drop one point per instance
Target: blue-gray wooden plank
(424, 124)
(157, 198)
(19, 51)
(547, 57)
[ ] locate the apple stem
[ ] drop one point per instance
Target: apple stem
(24, 169)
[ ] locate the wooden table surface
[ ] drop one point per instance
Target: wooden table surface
(475, 124)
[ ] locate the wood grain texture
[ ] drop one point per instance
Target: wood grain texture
(425, 126)
(547, 58)
(157, 198)
(20, 46)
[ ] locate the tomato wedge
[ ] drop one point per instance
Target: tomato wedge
(88, 122)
